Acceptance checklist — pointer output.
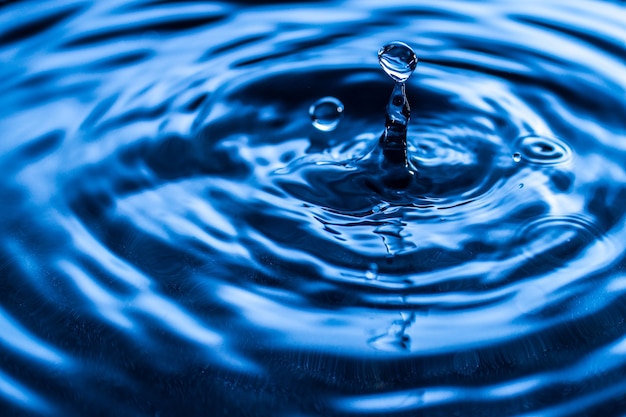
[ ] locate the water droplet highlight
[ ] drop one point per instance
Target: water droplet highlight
(326, 113)
(398, 60)
(372, 272)
(517, 156)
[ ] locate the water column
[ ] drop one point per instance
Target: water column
(399, 61)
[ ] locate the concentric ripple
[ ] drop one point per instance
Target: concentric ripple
(543, 151)
(178, 238)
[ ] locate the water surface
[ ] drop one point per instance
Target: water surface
(177, 238)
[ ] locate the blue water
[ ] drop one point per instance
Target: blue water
(178, 239)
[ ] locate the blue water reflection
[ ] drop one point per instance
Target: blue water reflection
(177, 238)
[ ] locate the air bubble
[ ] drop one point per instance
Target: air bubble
(398, 60)
(517, 156)
(326, 113)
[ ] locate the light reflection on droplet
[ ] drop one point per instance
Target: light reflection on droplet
(398, 60)
(326, 113)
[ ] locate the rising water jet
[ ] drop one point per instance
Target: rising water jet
(398, 61)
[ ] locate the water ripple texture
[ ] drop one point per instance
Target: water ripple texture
(177, 238)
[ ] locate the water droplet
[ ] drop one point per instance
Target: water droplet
(326, 113)
(521, 185)
(398, 60)
(372, 272)
(517, 156)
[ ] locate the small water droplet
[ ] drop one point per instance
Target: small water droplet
(521, 185)
(372, 272)
(326, 113)
(517, 156)
(398, 60)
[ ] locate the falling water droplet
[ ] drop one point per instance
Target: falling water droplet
(372, 272)
(326, 113)
(517, 156)
(398, 60)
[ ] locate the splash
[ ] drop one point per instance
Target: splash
(398, 61)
